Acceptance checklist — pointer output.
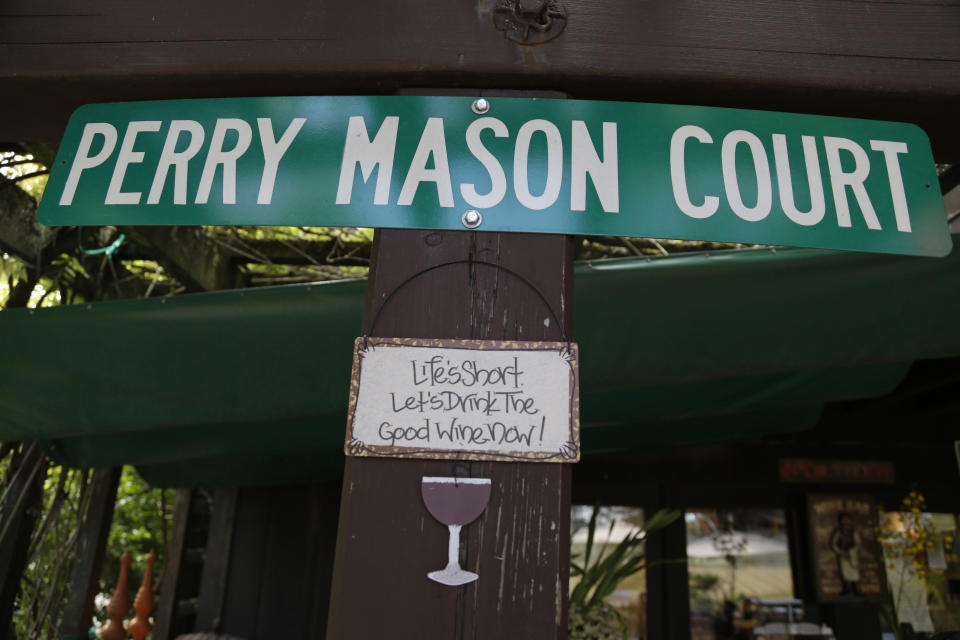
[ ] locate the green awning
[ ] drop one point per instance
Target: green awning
(197, 388)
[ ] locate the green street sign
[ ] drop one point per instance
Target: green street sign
(503, 164)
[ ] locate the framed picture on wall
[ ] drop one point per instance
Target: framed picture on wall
(848, 561)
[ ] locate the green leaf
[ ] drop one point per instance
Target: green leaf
(600, 575)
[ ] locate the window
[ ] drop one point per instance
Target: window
(735, 558)
(614, 523)
(924, 583)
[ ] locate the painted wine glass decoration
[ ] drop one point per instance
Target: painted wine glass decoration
(455, 502)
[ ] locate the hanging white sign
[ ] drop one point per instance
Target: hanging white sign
(464, 399)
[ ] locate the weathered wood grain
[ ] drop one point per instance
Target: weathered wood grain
(871, 58)
(216, 561)
(276, 581)
(91, 548)
(166, 598)
(18, 517)
(387, 541)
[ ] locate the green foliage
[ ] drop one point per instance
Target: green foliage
(139, 519)
(600, 574)
(352, 234)
(51, 556)
(907, 536)
(273, 274)
(148, 270)
(12, 271)
(313, 253)
(602, 622)
(140, 522)
(29, 173)
(703, 582)
(905, 631)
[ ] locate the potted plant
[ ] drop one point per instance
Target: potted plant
(590, 617)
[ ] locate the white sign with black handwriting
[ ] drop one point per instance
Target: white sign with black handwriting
(464, 399)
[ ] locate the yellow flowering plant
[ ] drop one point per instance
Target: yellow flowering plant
(906, 536)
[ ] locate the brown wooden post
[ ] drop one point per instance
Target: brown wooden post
(668, 592)
(18, 517)
(216, 561)
(387, 542)
(91, 546)
(172, 561)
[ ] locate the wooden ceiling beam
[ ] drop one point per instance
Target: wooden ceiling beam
(865, 58)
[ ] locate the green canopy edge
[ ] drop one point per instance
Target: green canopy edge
(688, 348)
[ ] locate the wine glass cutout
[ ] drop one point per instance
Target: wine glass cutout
(454, 502)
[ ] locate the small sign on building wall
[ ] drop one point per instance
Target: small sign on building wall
(837, 471)
(464, 400)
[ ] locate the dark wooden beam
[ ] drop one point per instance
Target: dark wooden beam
(20, 233)
(216, 561)
(189, 254)
(869, 58)
(18, 516)
(668, 594)
(949, 179)
(173, 559)
(386, 541)
(336, 252)
(277, 581)
(91, 546)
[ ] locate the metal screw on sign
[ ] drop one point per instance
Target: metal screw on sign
(471, 219)
(480, 106)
